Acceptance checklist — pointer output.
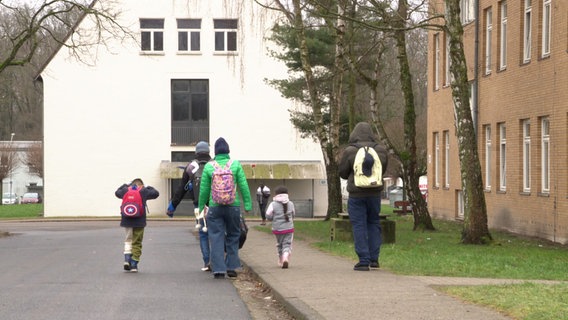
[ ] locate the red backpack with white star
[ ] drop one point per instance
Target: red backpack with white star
(132, 205)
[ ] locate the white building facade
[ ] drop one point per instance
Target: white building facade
(194, 70)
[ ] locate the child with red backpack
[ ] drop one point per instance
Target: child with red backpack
(133, 219)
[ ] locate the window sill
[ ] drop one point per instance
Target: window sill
(189, 53)
(225, 53)
(525, 193)
(543, 194)
(152, 53)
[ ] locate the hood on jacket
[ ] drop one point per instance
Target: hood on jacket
(362, 133)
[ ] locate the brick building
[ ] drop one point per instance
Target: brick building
(518, 69)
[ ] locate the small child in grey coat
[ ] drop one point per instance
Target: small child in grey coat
(281, 212)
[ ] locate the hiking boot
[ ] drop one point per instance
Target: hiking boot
(374, 265)
(361, 267)
(231, 273)
(133, 265)
(127, 258)
(219, 276)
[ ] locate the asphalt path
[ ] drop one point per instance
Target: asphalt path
(73, 270)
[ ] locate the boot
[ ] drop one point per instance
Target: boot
(127, 258)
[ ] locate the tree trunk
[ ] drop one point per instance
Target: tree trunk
(422, 219)
(475, 229)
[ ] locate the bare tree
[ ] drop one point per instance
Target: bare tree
(475, 230)
(33, 28)
(9, 161)
(33, 159)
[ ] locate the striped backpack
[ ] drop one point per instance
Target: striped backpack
(223, 189)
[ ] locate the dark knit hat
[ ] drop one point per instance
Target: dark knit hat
(202, 147)
(280, 190)
(221, 146)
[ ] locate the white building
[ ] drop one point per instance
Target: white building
(195, 71)
(21, 180)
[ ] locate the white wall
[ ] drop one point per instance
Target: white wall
(107, 123)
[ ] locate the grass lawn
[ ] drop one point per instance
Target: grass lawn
(440, 253)
(21, 211)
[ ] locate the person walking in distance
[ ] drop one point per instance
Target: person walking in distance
(362, 164)
(281, 212)
(262, 195)
(191, 181)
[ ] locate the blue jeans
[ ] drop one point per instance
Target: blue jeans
(366, 226)
(224, 232)
(204, 244)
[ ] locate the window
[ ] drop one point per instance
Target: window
(152, 35)
(503, 36)
(447, 159)
(502, 157)
(225, 35)
(545, 154)
(190, 111)
(527, 31)
(436, 160)
(437, 61)
(546, 11)
(460, 204)
(189, 35)
(488, 35)
(526, 155)
(448, 61)
(487, 157)
(467, 11)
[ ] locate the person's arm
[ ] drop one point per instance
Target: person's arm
(205, 186)
(121, 191)
(243, 186)
(180, 191)
(345, 166)
(150, 193)
(270, 212)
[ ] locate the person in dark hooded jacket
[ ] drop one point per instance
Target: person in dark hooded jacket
(134, 227)
(363, 204)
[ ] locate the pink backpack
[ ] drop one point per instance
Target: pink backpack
(223, 189)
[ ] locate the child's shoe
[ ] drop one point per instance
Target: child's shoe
(127, 258)
(280, 261)
(285, 257)
(133, 265)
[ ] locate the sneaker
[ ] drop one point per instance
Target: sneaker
(133, 265)
(285, 256)
(231, 273)
(127, 258)
(219, 276)
(374, 265)
(207, 267)
(361, 267)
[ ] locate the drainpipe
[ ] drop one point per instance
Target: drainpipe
(475, 93)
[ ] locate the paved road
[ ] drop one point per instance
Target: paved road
(73, 270)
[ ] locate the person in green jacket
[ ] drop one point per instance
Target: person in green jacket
(223, 220)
